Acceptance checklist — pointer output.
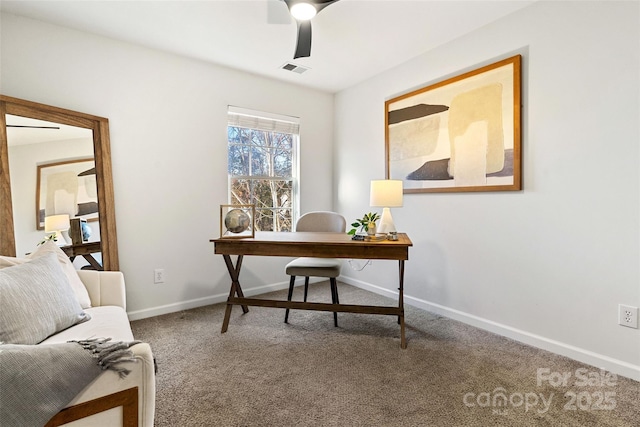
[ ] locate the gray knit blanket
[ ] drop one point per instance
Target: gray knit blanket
(37, 381)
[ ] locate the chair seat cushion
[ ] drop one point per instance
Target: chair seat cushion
(314, 267)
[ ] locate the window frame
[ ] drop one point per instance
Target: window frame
(272, 123)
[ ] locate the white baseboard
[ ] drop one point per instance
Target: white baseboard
(616, 366)
(200, 302)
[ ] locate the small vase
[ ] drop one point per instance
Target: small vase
(372, 230)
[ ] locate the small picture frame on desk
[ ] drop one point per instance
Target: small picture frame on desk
(237, 221)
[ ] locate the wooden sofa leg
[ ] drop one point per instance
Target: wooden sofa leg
(128, 399)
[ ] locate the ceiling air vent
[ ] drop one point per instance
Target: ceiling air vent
(294, 68)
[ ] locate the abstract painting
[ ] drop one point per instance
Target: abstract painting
(460, 134)
(67, 187)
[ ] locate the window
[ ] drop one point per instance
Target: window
(263, 167)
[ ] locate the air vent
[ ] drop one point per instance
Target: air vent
(294, 68)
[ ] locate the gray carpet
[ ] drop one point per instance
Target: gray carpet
(263, 372)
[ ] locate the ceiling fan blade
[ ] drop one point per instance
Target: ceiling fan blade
(320, 4)
(33, 127)
(91, 171)
(303, 46)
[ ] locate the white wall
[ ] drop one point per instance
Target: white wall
(167, 117)
(550, 264)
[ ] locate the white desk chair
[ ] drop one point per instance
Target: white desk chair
(321, 221)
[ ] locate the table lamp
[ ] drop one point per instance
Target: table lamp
(386, 193)
(57, 224)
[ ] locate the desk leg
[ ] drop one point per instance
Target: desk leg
(403, 341)
(236, 289)
(92, 261)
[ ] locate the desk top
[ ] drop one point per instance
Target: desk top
(312, 244)
(82, 249)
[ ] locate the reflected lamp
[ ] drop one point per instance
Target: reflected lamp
(57, 224)
(386, 193)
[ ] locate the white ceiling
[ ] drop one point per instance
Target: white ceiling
(35, 133)
(353, 40)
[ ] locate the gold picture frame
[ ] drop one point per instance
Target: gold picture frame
(237, 221)
(460, 134)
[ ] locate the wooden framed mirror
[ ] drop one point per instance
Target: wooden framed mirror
(102, 155)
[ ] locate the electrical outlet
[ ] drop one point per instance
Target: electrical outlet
(158, 275)
(628, 316)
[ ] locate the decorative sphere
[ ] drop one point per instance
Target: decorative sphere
(236, 221)
(86, 231)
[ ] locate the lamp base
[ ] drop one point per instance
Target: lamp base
(386, 224)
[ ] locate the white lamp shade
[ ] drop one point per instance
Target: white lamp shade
(386, 193)
(56, 223)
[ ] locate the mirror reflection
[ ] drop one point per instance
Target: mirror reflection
(53, 188)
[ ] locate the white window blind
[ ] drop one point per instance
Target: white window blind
(242, 117)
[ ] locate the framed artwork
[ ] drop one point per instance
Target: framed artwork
(237, 221)
(67, 187)
(461, 134)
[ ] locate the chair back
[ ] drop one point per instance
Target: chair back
(322, 221)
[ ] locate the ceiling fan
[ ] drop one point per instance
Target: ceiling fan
(303, 11)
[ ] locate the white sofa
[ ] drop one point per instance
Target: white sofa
(109, 319)
(45, 303)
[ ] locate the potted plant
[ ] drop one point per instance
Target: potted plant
(366, 224)
(51, 236)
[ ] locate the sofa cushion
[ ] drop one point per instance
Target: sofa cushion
(108, 321)
(67, 266)
(37, 301)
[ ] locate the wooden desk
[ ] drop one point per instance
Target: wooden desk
(85, 250)
(307, 244)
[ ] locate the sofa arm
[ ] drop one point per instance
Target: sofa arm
(142, 376)
(104, 287)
